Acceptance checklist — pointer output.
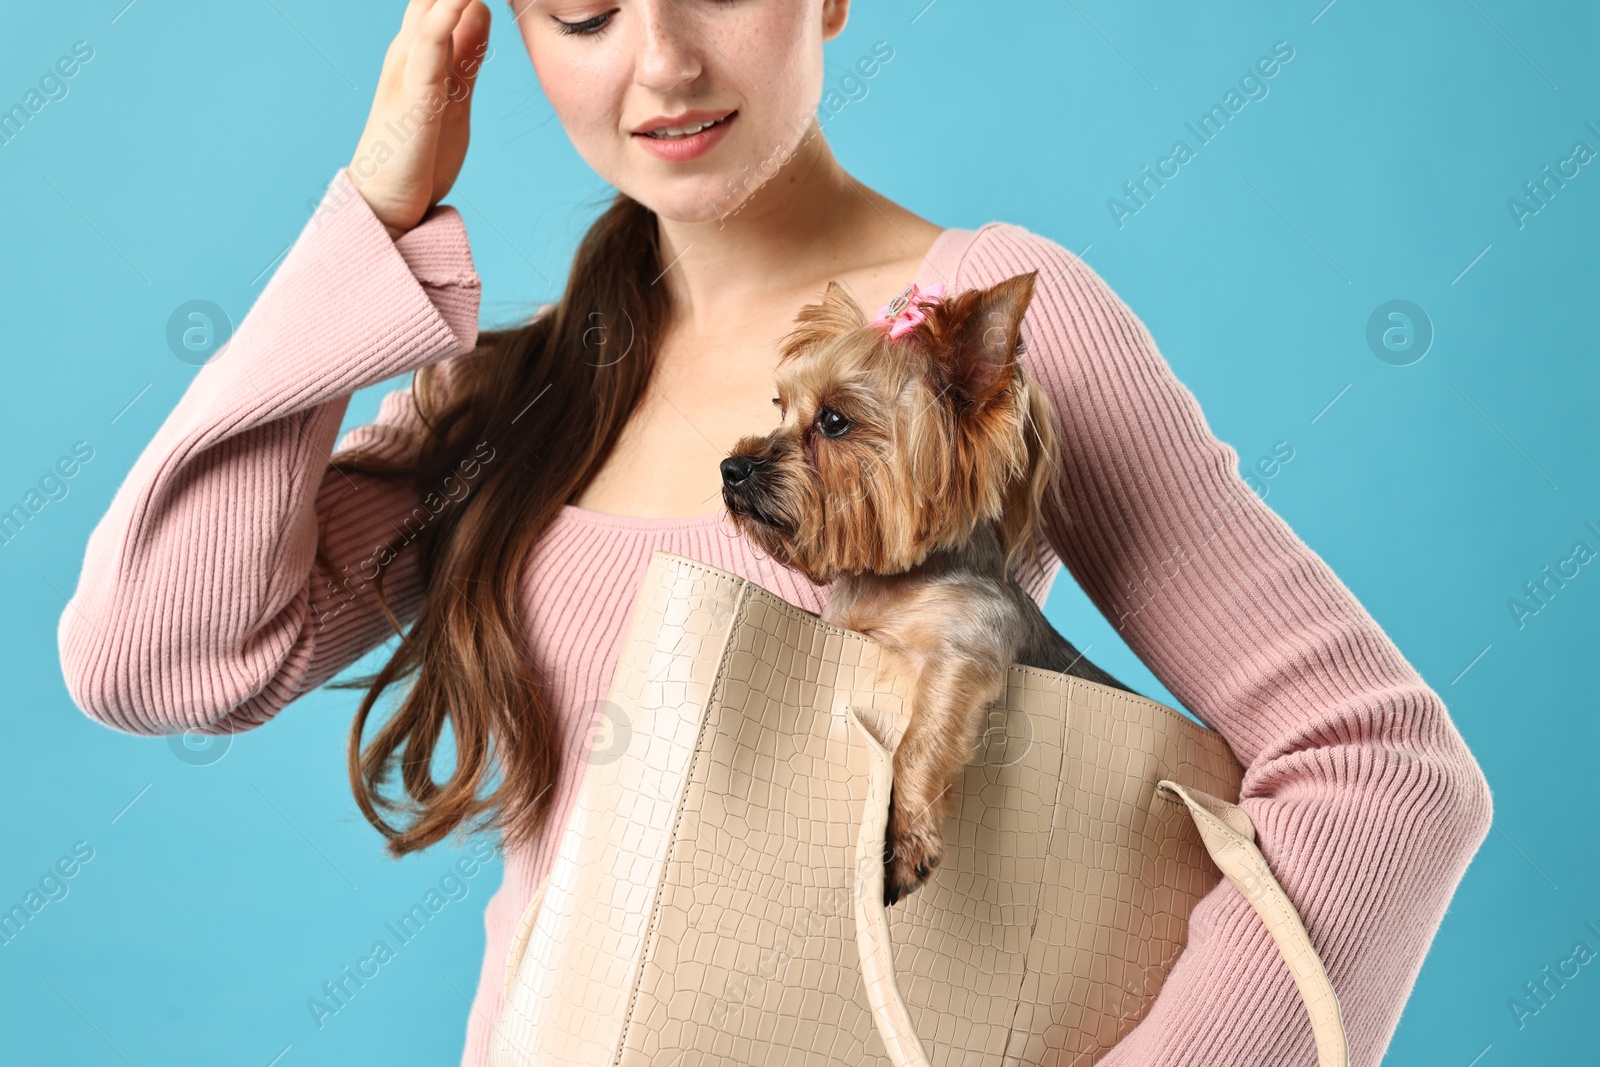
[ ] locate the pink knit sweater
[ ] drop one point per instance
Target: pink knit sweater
(199, 607)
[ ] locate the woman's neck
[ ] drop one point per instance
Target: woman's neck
(809, 221)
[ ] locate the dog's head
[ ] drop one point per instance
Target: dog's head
(893, 448)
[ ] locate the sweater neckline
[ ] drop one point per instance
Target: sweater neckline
(932, 264)
(640, 522)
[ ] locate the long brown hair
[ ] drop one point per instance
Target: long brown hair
(576, 371)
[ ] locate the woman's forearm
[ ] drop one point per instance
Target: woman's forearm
(1365, 798)
(198, 606)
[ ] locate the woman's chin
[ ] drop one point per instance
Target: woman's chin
(703, 198)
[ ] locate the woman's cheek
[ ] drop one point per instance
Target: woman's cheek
(586, 98)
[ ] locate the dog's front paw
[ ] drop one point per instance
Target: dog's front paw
(912, 846)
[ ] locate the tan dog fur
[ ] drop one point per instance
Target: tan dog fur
(911, 472)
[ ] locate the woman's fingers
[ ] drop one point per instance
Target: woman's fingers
(416, 135)
(429, 60)
(471, 41)
(468, 45)
(414, 9)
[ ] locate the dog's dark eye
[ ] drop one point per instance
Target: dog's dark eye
(831, 423)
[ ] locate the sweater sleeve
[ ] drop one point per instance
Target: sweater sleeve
(1366, 801)
(199, 605)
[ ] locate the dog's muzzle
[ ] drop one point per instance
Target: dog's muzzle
(744, 491)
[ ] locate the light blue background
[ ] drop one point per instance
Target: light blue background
(186, 158)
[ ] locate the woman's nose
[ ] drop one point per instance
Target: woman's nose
(670, 54)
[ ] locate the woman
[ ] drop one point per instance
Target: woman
(506, 505)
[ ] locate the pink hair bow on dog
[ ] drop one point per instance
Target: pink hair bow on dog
(903, 313)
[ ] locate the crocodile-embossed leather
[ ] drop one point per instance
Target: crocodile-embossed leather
(717, 869)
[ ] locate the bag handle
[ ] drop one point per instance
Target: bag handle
(1229, 837)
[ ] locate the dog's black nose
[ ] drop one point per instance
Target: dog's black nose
(735, 470)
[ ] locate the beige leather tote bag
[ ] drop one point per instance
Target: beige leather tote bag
(718, 895)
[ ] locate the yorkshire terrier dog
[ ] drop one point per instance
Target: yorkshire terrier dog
(910, 469)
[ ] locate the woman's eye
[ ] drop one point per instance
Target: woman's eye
(831, 423)
(585, 28)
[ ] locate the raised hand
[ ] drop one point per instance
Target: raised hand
(416, 136)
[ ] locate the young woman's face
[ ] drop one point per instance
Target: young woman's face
(618, 71)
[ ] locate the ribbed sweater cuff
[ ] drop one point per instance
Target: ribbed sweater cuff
(436, 252)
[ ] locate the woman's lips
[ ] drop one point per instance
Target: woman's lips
(683, 149)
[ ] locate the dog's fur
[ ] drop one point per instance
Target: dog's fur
(912, 472)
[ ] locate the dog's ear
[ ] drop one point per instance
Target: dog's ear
(979, 338)
(835, 314)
